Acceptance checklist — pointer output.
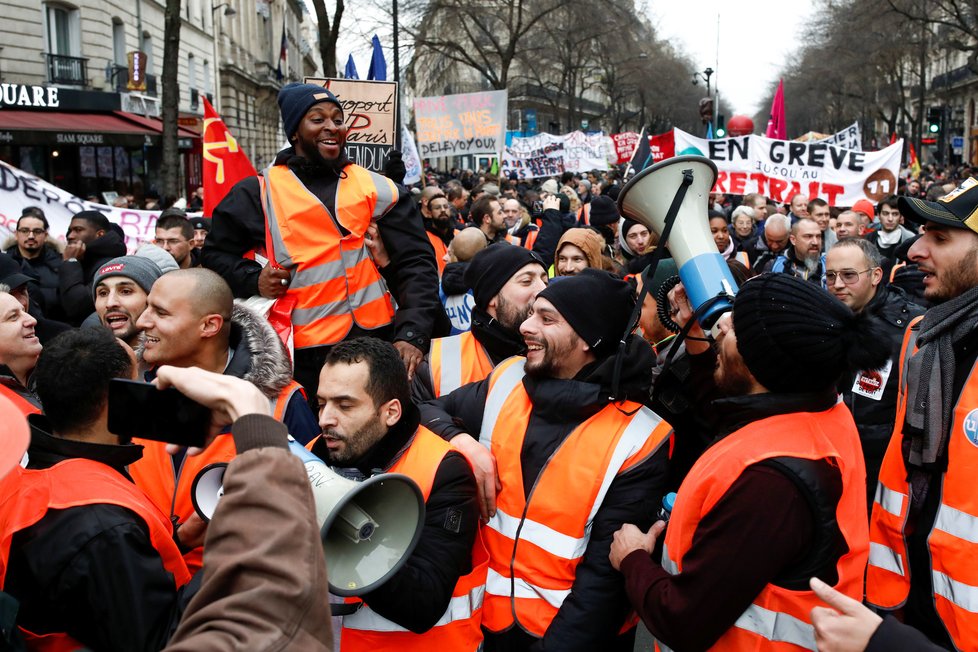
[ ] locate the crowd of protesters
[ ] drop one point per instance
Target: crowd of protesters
(586, 461)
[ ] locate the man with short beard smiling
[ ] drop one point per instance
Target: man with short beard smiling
(316, 207)
(804, 258)
(120, 290)
(573, 464)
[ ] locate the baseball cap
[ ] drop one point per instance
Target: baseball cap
(958, 208)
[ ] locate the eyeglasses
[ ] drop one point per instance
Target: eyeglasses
(849, 276)
(33, 232)
(174, 242)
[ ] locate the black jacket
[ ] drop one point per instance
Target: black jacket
(418, 594)
(874, 417)
(592, 615)
(553, 223)
(45, 268)
(75, 278)
(758, 253)
(239, 226)
(92, 571)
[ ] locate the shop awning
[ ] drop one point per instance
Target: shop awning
(156, 125)
(65, 128)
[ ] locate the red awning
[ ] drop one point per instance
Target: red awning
(103, 123)
(155, 125)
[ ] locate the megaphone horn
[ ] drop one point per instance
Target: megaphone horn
(650, 198)
(207, 489)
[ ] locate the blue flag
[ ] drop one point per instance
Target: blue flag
(378, 65)
(351, 69)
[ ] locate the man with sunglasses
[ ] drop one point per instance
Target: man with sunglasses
(854, 274)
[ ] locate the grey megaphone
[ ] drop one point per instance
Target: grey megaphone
(647, 198)
(368, 529)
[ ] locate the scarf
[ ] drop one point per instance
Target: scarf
(929, 402)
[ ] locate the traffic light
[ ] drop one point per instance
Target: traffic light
(721, 131)
(935, 115)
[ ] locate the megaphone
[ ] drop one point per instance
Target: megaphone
(368, 529)
(647, 199)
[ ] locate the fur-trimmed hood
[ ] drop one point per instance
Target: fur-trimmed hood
(260, 356)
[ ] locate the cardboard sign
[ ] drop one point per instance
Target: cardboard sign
(454, 125)
(370, 111)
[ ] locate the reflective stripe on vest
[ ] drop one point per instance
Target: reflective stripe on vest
(530, 239)
(335, 282)
(72, 483)
(455, 361)
(281, 402)
(458, 628)
(777, 618)
(535, 545)
(953, 538)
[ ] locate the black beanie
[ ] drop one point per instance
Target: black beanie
(295, 99)
(793, 335)
(603, 211)
(489, 269)
(597, 305)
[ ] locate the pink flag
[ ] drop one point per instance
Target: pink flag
(776, 126)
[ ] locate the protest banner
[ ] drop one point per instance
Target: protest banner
(780, 168)
(546, 155)
(409, 153)
(662, 146)
(18, 190)
(849, 138)
(455, 125)
(370, 112)
(625, 144)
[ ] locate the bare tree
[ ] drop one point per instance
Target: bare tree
(171, 98)
(329, 33)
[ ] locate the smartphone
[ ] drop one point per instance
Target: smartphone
(138, 409)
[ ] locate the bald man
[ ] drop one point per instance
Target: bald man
(191, 321)
(456, 296)
(466, 245)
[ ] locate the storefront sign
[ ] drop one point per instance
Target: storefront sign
(28, 96)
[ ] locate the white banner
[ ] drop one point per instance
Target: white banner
(546, 155)
(409, 153)
(849, 138)
(18, 190)
(781, 168)
(470, 123)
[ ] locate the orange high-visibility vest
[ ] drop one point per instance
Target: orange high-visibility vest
(584, 215)
(530, 239)
(441, 250)
(334, 280)
(455, 361)
(458, 629)
(169, 487)
(953, 539)
(24, 404)
(778, 619)
(535, 545)
(76, 483)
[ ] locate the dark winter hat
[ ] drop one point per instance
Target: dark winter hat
(11, 273)
(489, 269)
(792, 335)
(141, 270)
(295, 99)
(604, 211)
(596, 304)
(202, 223)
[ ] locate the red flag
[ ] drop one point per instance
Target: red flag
(225, 163)
(776, 127)
(893, 138)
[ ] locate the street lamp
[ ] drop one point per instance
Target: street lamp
(228, 11)
(705, 75)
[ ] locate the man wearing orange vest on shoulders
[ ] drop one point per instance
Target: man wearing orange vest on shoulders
(779, 497)
(922, 572)
(91, 560)
(504, 280)
(369, 425)
(191, 321)
(19, 349)
(573, 465)
(309, 212)
(437, 223)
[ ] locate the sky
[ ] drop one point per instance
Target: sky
(756, 38)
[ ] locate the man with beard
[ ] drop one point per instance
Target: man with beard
(437, 222)
(92, 242)
(922, 561)
(487, 216)
(778, 497)
(121, 291)
(804, 258)
(574, 462)
(368, 424)
(504, 280)
(32, 245)
(315, 206)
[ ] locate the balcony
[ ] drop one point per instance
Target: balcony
(121, 76)
(72, 71)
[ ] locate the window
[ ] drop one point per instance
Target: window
(63, 30)
(119, 42)
(146, 45)
(208, 81)
(191, 71)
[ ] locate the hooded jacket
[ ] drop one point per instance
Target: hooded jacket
(75, 277)
(587, 240)
(594, 612)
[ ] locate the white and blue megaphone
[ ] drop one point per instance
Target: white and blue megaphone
(648, 197)
(368, 529)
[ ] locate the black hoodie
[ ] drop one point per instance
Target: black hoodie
(593, 613)
(75, 277)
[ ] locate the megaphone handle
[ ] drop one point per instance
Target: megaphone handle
(670, 219)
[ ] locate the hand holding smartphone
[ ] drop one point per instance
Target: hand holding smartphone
(139, 409)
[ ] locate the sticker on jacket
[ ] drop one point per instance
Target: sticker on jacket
(871, 383)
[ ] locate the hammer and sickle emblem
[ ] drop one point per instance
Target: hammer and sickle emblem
(229, 143)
